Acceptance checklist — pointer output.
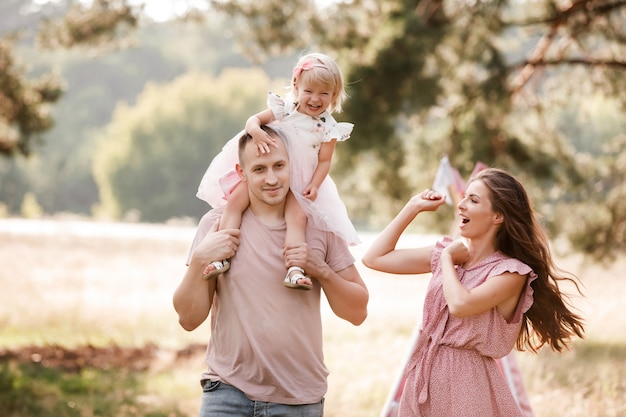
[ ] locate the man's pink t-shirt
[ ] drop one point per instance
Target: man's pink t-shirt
(266, 339)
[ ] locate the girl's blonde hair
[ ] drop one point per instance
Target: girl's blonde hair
(316, 68)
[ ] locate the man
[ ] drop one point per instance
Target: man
(265, 351)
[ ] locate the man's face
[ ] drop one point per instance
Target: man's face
(267, 175)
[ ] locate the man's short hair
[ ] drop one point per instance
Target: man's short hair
(246, 137)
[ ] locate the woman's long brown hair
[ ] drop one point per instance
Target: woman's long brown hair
(549, 320)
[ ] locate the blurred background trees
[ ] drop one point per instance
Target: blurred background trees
(128, 117)
(145, 149)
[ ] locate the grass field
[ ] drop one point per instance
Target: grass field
(78, 285)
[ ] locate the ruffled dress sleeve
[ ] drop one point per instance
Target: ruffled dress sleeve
(526, 300)
(436, 253)
(279, 106)
(339, 131)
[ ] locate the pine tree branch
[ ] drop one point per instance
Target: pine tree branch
(617, 64)
(562, 16)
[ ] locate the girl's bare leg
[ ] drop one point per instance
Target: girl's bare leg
(237, 203)
(296, 221)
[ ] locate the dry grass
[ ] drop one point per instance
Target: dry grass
(67, 286)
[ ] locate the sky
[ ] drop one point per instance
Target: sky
(161, 10)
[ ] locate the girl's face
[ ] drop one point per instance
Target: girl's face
(313, 99)
(476, 214)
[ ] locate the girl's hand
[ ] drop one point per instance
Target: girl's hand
(457, 251)
(262, 141)
(310, 192)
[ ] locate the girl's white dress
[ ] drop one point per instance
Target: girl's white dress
(303, 136)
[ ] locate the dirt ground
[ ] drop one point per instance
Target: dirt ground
(111, 357)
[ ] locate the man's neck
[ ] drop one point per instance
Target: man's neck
(268, 214)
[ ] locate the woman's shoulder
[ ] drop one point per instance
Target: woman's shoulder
(502, 263)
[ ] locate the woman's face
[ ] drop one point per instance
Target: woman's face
(476, 215)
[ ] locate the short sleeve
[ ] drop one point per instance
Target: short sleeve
(436, 254)
(526, 300)
(330, 247)
(203, 228)
(338, 254)
(279, 106)
(339, 131)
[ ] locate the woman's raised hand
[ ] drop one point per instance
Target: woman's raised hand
(428, 200)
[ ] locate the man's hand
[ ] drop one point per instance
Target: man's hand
(345, 290)
(217, 245)
(193, 297)
(299, 254)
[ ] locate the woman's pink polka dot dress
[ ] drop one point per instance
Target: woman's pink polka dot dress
(452, 371)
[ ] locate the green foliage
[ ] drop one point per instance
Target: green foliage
(100, 23)
(30, 389)
(270, 25)
(154, 154)
(24, 103)
(14, 183)
(594, 219)
(531, 89)
(30, 207)
(478, 81)
(88, 106)
(59, 169)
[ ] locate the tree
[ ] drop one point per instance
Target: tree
(489, 80)
(479, 81)
(25, 101)
(58, 170)
(153, 154)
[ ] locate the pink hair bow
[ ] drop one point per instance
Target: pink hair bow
(304, 67)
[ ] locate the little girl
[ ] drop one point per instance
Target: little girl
(310, 134)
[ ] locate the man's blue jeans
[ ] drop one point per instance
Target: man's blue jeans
(223, 400)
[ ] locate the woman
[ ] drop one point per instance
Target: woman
(493, 289)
